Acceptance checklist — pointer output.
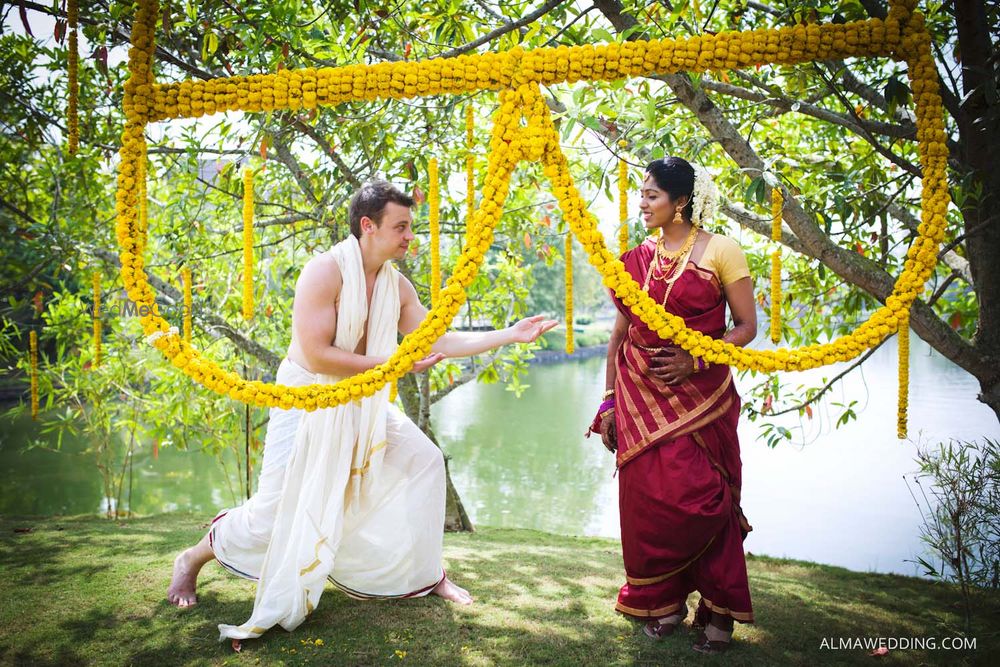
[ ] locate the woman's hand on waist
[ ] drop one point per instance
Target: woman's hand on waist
(671, 365)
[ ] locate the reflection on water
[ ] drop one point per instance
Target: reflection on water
(44, 482)
(524, 462)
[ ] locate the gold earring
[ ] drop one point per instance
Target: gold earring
(678, 218)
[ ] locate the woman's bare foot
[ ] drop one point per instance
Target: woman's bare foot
(187, 565)
(449, 591)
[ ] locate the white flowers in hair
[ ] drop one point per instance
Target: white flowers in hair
(706, 197)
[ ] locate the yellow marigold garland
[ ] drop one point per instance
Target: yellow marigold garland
(186, 280)
(622, 204)
(904, 374)
(143, 198)
(96, 280)
(73, 76)
(393, 391)
(312, 87)
(247, 244)
(777, 202)
(33, 348)
(470, 164)
(517, 75)
(434, 221)
(569, 294)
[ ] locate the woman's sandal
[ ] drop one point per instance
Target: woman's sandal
(664, 627)
(713, 640)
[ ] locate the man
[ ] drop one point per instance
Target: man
(353, 492)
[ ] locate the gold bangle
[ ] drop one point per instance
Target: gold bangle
(609, 393)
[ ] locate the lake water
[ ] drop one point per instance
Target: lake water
(839, 499)
(523, 462)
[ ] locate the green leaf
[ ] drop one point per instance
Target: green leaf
(209, 45)
(754, 194)
(602, 35)
(897, 94)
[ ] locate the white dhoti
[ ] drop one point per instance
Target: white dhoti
(398, 555)
(354, 494)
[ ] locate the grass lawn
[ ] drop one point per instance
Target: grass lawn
(82, 590)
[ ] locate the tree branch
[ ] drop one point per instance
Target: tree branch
(285, 156)
(825, 388)
(865, 134)
(444, 391)
(213, 323)
(503, 30)
(955, 262)
(762, 226)
(785, 103)
(327, 149)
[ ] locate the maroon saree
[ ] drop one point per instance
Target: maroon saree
(679, 462)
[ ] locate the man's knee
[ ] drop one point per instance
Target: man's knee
(427, 457)
(261, 515)
(431, 456)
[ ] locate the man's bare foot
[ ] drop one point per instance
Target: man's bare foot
(183, 583)
(449, 591)
(187, 565)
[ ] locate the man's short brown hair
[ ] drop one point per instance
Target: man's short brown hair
(370, 200)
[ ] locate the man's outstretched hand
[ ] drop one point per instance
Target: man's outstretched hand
(426, 362)
(530, 328)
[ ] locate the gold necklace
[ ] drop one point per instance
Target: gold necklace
(672, 273)
(662, 252)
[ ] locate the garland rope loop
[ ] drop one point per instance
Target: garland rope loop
(517, 75)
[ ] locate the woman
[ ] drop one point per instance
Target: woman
(672, 418)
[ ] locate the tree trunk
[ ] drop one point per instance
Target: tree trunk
(416, 403)
(979, 129)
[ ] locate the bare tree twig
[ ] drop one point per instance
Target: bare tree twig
(502, 30)
(213, 322)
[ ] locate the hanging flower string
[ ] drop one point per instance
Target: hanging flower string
(33, 348)
(186, 280)
(517, 75)
(622, 204)
(569, 294)
(777, 202)
(247, 244)
(470, 164)
(96, 280)
(434, 220)
(143, 197)
(904, 374)
(73, 77)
